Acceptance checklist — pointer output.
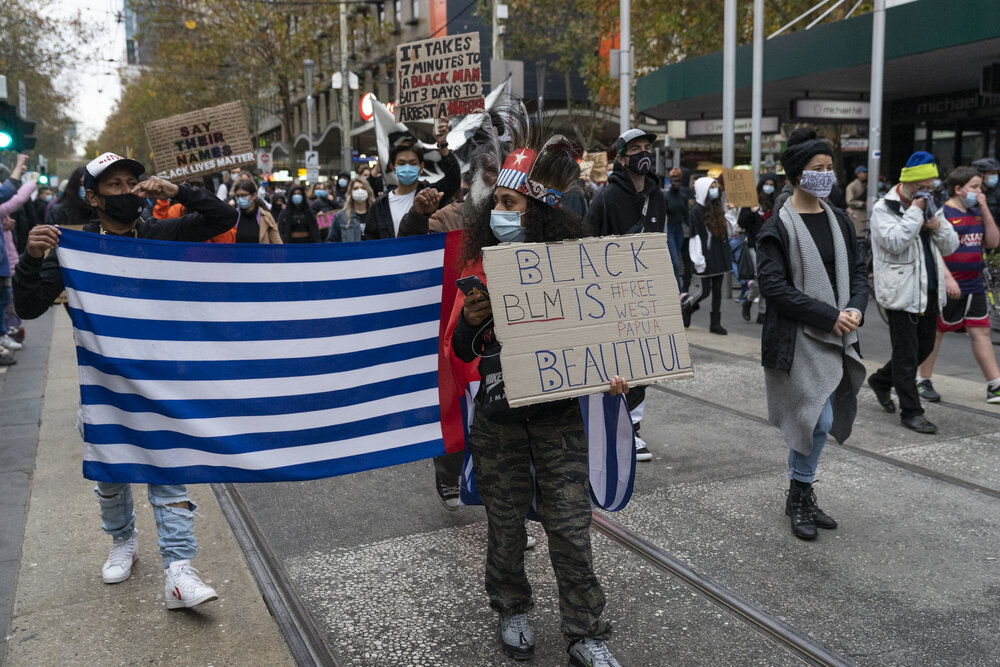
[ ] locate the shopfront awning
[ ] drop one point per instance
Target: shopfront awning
(932, 46)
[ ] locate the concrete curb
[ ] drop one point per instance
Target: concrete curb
(65, 615)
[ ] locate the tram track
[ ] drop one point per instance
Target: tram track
(860, 451)
(304, 640)
(803, 647)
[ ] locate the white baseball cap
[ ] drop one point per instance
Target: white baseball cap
(98, 165)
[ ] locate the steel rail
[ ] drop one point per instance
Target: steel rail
(304, 640)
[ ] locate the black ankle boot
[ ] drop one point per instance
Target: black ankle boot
(715, 327)
(799, 509)
(820, 518)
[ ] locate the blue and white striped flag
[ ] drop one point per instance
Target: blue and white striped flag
(238, 362)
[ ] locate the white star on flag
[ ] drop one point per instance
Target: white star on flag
(519, 157)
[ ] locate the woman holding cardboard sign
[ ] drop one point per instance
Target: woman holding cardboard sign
(816, 291)
(506, 443)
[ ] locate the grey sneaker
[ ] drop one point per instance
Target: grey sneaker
(517, 639)
(591, 653)
(926, 391)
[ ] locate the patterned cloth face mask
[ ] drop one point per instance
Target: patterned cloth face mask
(818, 183)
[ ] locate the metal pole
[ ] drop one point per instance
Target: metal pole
(729, 85)
(625, 98)
(875, 122)
(758, 84)
(309, 101)
(345, 95)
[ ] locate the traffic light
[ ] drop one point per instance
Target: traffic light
(43, 177)
(15, 134)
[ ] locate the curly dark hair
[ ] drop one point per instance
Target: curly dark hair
(542, 223)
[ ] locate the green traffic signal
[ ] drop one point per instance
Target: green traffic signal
(43, 179)
(5, 140)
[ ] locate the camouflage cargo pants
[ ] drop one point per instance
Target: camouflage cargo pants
(503, 455)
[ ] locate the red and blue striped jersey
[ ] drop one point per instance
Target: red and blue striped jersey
(966, 263)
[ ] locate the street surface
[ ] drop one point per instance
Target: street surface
(389, 577)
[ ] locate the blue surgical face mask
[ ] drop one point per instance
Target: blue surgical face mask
(83, 193)
(713, 193)
(969, 199)
(342, 183)
(768, 189)
(506, 226)
(320, 193)
(48, 198)
(992, 180)
(407, 174)
(243, 202)
(296, 199)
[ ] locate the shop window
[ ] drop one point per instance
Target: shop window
(943, 149)
(973, 146)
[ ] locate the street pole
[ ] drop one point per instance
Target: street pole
(625, 97)
(309, 100)
(758, 85)
(729, 85)
(875, 121)
(345, 94)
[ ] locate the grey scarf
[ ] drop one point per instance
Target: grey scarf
(824, 364)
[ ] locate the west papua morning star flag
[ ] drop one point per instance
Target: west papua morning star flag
(206, 362)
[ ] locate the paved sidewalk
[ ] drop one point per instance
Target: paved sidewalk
(63, 613)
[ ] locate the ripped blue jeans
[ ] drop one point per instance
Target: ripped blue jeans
(175, 525)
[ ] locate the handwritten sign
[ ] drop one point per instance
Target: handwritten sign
(574, 314)
(432, 71)
(741, 189)
(324, 220)
(200, 142)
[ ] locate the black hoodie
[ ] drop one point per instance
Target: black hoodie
(618, 208)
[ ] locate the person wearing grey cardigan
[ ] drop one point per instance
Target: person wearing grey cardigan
(816, 291)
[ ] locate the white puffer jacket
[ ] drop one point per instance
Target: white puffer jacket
(900, 272)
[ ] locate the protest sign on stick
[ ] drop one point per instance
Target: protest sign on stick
(200, 142)
(431, 71)
(741, 190)
(572, 315)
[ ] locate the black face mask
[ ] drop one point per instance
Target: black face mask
(123, 209)
(640, 163)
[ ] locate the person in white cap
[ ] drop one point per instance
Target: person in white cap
(114, 191)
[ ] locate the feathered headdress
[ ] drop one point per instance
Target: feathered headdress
(513, 152)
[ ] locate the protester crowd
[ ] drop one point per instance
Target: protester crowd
(800, 255)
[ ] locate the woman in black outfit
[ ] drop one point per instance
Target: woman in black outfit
(709, 251)
(817, 291)
(297, 223)
(750, 220)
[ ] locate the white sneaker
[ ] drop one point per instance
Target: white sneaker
(184, 588)
(118, 567)
(642, 452)
(9, 343)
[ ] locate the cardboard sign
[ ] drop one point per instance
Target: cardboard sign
(200, 142)
(599, 165)
(324, 220)
(438, 70)
(574, 314)
(741, 188)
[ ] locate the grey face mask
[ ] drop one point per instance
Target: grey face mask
(818, 183)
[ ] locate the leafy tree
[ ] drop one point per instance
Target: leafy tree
(33, 50)
(209, 52)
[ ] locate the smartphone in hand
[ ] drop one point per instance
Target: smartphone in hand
(472, 285)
